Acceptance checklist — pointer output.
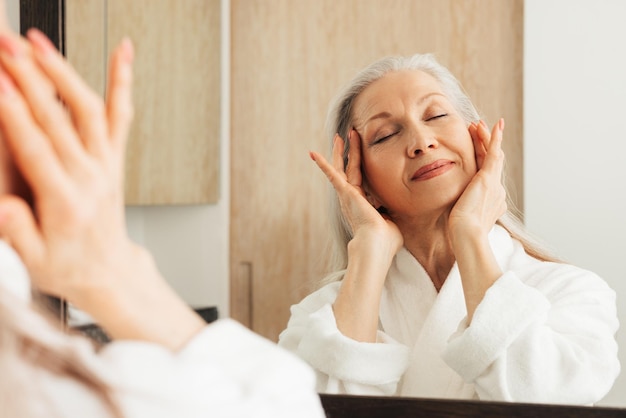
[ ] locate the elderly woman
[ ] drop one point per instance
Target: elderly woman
(439, 292)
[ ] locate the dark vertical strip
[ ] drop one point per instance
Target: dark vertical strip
(46, 15)
(49, 17)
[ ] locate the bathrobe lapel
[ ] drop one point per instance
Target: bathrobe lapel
(407, 299)
(428, 375)
(414, 314)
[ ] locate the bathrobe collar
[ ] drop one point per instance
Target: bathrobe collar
(413, 313)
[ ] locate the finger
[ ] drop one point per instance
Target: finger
(338, 148)
(119, 104)
(496, 135)
(335, 177)
(353, 170)
(41, 98)
(479, 146)
(484, 136)
(494, 160)
(31, 150)
(86, 107)
(483, 131)
(19, 228)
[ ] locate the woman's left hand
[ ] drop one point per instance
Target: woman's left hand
(484, 198)
(474, 215)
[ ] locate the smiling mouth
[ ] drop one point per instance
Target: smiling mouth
(432, 170)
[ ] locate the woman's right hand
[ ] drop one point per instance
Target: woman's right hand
(364, 220)
(376, 240)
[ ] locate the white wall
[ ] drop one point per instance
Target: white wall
(575, 139)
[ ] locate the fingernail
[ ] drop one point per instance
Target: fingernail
(10, 46)
(312, 155)
(501, 124)
(128, 51)
(40, 42)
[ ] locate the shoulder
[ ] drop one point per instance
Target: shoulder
(555, 278)
(563, 279)
(224, 365)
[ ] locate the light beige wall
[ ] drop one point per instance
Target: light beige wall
(172, 155)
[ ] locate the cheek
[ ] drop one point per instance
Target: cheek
(377, 164)
(470, 162)
(467, 152)
(375, 169)
(382, 177)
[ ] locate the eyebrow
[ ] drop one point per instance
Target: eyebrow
(385, 114)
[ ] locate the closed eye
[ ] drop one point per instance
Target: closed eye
(436, 117)
(383, 139)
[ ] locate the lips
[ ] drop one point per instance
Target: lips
(432, 170)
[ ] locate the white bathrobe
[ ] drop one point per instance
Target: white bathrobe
(544, 332)
(224, 371)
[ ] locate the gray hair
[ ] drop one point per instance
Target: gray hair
(340, 119)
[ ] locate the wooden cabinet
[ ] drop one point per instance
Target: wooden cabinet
(289, 57)
(173, 149)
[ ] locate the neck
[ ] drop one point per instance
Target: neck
(428, 241)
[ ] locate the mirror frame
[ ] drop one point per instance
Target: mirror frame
(348, 406)
(49, 17)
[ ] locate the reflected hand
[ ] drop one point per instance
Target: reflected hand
(484, 200)
(73, 162)
(363, 219)
(72, 156)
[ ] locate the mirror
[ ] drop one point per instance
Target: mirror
(558, 35)
(278, 49)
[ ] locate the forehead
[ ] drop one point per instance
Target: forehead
(408, 86)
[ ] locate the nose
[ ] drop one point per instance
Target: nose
(420, 142)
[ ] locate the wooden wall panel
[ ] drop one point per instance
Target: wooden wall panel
(289, 57)
(85, 22)
(173, 149)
